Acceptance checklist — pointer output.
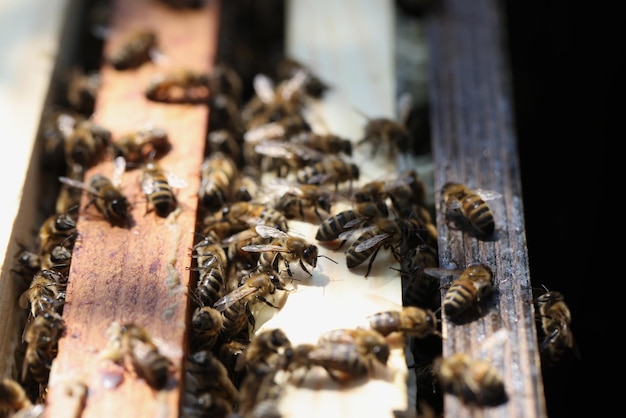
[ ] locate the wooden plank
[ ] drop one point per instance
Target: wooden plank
(32, 42)
(474, 143)
(137, 274)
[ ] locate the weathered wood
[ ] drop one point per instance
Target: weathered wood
(137, 274)
(474, 143)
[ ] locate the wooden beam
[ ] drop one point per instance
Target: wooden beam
(474, 143)
(137, 274)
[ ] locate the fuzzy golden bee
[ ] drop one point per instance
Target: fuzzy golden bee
(556, 319)
(468, 209)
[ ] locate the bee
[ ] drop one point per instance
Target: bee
(45, 293)
(342, 361)
(469, 289)
(357, 217)
(303, 201)
(29, 261)
(41, 337)
(409, 320)
(211, 262)
(331, 170)
(384, 233)
(259, 392)
(131, 344)
(82, 89)
(206, 326)
(58, 259)
(386, 132)
(404, 191)
(313, 86)
(419, 289)
(142, 144)
(226, 141)
(229, 352)
(106, 194)
(274, 103)
(181, 86)
(248, 185)
(136, 50)
(206, 375)
(235, 305)
(218, 173)
(468, 209)
(266, 348)
(283, 247)
(86, 143)
(326, 143)
(13, 397)
(159, 185)
(284, 157)
(556, 321)
(472, 380)
(369, 342)
(255, 214)
(57, 229)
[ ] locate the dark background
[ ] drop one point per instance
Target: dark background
(563, 58)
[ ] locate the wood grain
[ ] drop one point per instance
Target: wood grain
(474, 143)
(137, 274)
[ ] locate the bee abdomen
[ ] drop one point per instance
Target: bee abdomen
(458, 298)
(333, 227)
(480, 214)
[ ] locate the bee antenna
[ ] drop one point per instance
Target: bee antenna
(322, 255)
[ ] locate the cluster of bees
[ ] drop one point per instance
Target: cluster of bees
(245, 252)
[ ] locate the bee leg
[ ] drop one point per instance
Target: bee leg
(369, 265)
(304, 268)
(267, 302)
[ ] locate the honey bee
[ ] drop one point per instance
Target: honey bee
(303, 201)
(229, 352)
(419, 289)
(206, 375)
(29, 261)
(142, 144)
(348, 220)
(386, 132)
(226, 141)
(468, 209)
(45, 293)
(255, 214)
(368, 342)
(106, 194)
(469, 289)
(326, 143)
(131, 344)
(273, 103)
(218, 173)
(206, 326)
(266, 348)
(405, 191)
(409, 320)
(331, 170)
(211, 262)
(472, 380)
(82, 89)
(248, 185)
(86, 143)
(182, 86)
(58, 259)
(136, 50)
(41, 336)
(159, 185)
(13, 397)
(313, 86)
(224, 80)
(284, 157)
(283, 247)
(384, 233)
(57, 229)
(259, 392)
(235, 304)
(342, 361)
(556, 321)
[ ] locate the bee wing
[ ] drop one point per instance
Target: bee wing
(264, 88)
(176, 181)
(275, 149)
(77, 183)
(268, 131)
(118, 170)
(371, 242)
(353, 223)
(233, 297)
(291, 87)
(261, 248)
(266, 231)
(147, 184)
(348, 234)
(442, 273)
(405, 104)
(488, 194)
(240, 236)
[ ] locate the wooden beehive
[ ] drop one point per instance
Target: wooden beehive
(472, 143)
